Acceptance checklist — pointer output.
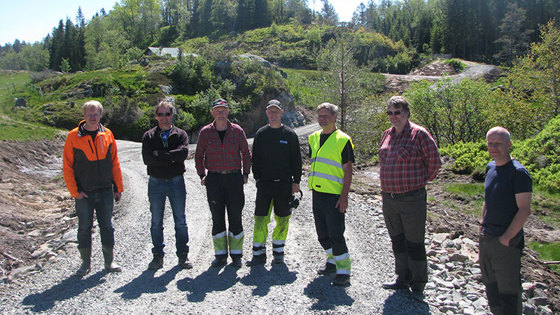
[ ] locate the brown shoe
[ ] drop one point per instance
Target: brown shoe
(184, 262)
(156, 263)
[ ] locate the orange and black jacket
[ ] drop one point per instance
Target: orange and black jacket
(91, 164)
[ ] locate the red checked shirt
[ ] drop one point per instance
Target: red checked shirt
(213, 155)
(409, 160)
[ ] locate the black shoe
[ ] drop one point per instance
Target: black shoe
(341, 280)
(236, 262)
(257, 260)
(156, 263)
(329, 268)
(278, 259)
(418, 295)
(219, 262)
(396, 285)
(184, 262)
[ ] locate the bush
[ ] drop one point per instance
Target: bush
(541, 156)
(468, 156)
(457, 64)
(453, 113)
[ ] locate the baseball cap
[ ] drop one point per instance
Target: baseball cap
(274, 103)
(220, 102)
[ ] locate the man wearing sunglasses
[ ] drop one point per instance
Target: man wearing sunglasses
(164, 150)
(409, 158)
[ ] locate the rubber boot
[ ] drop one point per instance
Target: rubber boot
(110, 266)
(85, 268)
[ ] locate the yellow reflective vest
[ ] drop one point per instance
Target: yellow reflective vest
(326, 174)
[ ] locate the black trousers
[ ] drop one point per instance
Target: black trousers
(329, 223)
(225, 192)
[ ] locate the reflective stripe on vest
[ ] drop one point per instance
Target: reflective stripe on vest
(327, 173)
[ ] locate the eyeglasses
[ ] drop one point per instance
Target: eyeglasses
(390, 113)
(164, 114)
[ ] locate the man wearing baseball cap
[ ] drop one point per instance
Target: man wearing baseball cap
(276, 165)
(223, 162)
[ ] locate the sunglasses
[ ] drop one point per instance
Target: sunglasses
(390, 113)
(163, 114)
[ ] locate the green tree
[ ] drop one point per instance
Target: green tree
(534, 82)
(514, 39)
(65, 65)
(56, 47)
(328, 14)
(138, 20)
(341, 72)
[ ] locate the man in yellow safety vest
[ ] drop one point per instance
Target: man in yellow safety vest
(330, 176)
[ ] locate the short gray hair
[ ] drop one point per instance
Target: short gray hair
(501, 131)
(330, 107)
(93, 104)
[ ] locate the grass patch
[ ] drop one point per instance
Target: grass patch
(466, 190)
(546, 206)
(548, 252)
(11, 84)
(307, 86)
(471, 194)
(24, 131)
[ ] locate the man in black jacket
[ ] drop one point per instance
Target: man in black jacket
(164, 150)
(276, 162)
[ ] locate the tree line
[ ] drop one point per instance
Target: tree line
(493, 31)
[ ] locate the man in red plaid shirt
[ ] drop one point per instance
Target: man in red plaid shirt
(409, 158)
(222, 149)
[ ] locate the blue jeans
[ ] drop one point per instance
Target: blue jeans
(174, 189)
(101, 201)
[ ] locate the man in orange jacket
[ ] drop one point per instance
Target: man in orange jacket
(92, 173)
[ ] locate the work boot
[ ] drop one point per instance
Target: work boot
(184, 262)
(156, 263)
(85, 268)
(341, 280)
(110, 266)
(219, 261)
(278, 259)
(257, 260)
(236, 262)
(329, 268)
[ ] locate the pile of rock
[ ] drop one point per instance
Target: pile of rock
(454, 282)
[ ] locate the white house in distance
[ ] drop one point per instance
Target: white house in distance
(166, 51)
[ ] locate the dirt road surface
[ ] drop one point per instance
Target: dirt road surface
(291, 288)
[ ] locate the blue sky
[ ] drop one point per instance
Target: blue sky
(32, 20)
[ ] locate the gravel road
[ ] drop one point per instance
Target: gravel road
(293, 288)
